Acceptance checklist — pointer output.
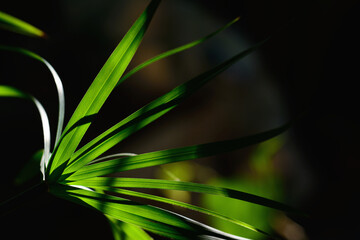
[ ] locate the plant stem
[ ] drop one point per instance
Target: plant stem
(22, 198)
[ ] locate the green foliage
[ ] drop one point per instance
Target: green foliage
(14, 24)
(263, 181)
(30, 169)
(79, 175)
(127, 231)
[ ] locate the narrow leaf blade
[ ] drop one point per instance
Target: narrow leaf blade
(171, 155)
(182, 186)
(147, 114)
(176, 50)
(101, 88)
(8, 91)
(128, 231)
(184, 205)
(147, 217)
(14, 24)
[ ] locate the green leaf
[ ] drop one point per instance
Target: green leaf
(99, 90)
(261, 217)
(109, 208)
(126, 231)
(171, 155)
(30, 169)
(177, 50)
(122, 205)
(14, 24)
(147, 114)
(182, 204)
(182, 186)
(7, 91)
(150, 218)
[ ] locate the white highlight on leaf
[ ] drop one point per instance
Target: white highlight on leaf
(46, 132)
(61, 96)
(208, 228)
(82, 187)
(44, 118)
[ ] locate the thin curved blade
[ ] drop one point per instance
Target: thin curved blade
(57, 81)
(7, 91)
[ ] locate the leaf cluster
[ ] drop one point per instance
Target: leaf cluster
(80, 175)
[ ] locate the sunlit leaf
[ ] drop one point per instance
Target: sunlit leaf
(150, 218)
(182, 186)
(100, 89)
(127, 231)
(250, 213)
(122, 230)
(7, 91)
(184, 205)
(176, 50)
(14, 24)
(148, 114)
(171, 155)
(77, 175)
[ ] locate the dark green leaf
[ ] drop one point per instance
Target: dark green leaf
(30, 169)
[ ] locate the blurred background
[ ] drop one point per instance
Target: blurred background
(309, 67)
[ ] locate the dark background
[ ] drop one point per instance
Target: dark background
(312, 60)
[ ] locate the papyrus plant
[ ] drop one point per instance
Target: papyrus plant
(80, 174)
